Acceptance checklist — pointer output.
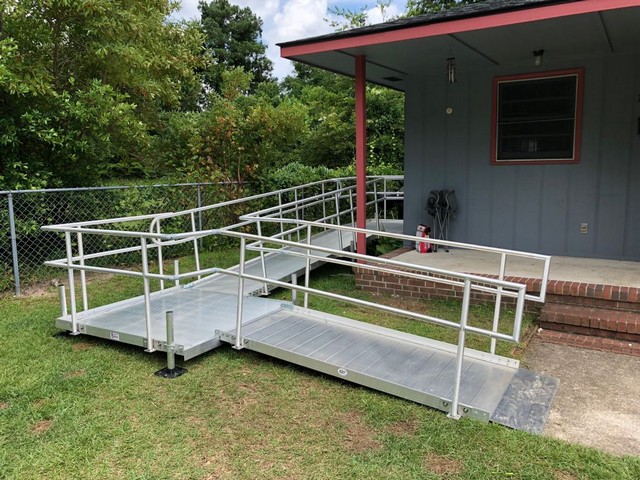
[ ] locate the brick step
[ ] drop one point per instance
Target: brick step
(590, 342)
(602, 322)
(594, 302)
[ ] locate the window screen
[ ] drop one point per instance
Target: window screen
(536, 119)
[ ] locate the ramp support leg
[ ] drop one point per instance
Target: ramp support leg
(63, 300)
(171, 371)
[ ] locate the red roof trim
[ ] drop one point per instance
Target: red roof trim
(457, 26)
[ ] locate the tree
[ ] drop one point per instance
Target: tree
(346, 19)
(82, 82)
(232, 38)
(418, 7)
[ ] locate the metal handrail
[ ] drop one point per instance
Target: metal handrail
(463, 326)
(301, 247)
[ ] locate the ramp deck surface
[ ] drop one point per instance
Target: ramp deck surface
(408, 366)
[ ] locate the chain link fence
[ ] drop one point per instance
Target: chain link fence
(24, 246)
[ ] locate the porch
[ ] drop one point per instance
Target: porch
(590, 303)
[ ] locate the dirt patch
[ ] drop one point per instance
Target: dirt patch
(219, 464)
(75, 374)
(564, 475)
(442, 466)
(81, 347)
(4, 405)
(405, 428)
(359, 437)
(40, 403)
(41, 427)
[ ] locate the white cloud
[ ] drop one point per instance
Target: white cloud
(286, 20)
(375, 15)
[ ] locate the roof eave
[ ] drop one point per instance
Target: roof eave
(363, 37)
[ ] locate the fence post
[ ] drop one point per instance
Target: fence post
(14, 245)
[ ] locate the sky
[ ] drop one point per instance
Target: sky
(285, 20)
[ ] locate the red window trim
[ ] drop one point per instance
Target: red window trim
(579, 72)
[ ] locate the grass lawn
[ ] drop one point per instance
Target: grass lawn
(85, 408)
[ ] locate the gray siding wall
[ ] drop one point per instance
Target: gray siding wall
(536, 208)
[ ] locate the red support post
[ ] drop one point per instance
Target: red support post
(361, 151)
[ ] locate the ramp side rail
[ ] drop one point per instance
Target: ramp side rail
(335, 200)
(146, 231)
(468, 283)
(308, 250)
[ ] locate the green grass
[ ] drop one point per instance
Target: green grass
(85, 408)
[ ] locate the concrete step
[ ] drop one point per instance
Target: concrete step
(596, 321)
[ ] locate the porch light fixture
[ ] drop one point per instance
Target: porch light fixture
(451, 69)
(538, 57)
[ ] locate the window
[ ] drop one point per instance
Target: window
(536, 118)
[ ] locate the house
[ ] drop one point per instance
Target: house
(528, 109)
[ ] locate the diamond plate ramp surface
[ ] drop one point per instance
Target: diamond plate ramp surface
(407, 366)
(527, 402)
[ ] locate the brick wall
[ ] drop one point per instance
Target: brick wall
(380, 283)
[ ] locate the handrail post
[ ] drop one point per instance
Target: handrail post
(176, 271)
(307, 267)
(280, 210)
(160, 265)
(340, 242)
(464, 316)
(496, 311)
(265, 287)
(14, 244)
(324, 203)
(200, 211)
(72, 285)
(239, 344)
(195, 244)
(519, 312)
(83, 274)
(353, 222)
(147, 294)
(375, 204)
(384, 206)
(295, 199)
(294, 291)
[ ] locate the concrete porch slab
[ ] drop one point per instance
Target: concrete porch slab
(574, 269)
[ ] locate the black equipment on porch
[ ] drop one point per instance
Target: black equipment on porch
(442, 205)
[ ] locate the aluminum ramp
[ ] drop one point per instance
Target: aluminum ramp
(198, 315)
(201, 307)
(280, 266)
(408, 366)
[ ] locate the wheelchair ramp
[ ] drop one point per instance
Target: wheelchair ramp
(408, 366)
(198, 315)
(281, 266)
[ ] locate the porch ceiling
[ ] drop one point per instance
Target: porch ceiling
(390, 61)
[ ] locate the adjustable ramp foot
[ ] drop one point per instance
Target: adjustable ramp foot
(171, 372)
(62, 334)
